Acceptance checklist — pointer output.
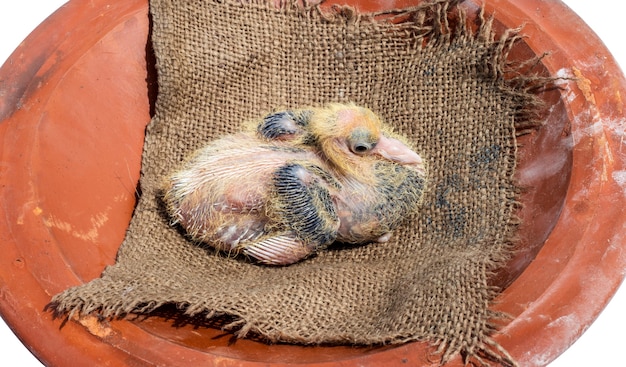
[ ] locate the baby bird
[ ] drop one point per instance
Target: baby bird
(297, 181)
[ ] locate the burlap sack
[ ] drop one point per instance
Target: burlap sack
(220, 63)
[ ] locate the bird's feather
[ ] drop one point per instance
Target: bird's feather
(277, 250)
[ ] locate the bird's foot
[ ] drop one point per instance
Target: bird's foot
(384, 238)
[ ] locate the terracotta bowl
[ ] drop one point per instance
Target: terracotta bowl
(78, 94)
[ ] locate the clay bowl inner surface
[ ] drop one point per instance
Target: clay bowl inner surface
(73, 128)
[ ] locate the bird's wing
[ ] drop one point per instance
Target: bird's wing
(303, 214)
(303, 201)
(284, 125)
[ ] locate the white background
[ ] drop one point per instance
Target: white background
(602, 345)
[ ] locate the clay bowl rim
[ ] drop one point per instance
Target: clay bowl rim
(592, 112)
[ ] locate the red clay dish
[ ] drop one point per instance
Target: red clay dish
(72, 128)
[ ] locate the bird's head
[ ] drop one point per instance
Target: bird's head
(354, 137)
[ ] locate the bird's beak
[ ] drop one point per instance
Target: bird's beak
(396, 151)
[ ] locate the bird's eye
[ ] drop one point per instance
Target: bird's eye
(361, 141)
(360, 148)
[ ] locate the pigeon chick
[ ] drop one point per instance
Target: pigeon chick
(297, 181)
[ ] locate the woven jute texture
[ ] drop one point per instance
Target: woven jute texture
(434, 78)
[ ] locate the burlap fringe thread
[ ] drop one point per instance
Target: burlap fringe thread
(441, 21)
